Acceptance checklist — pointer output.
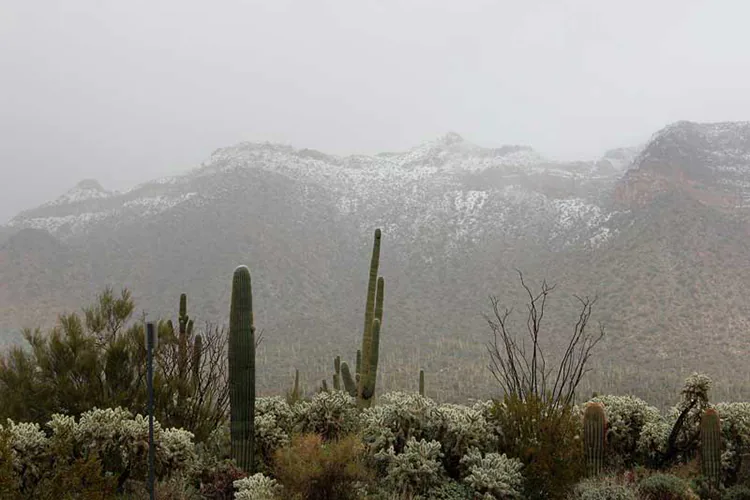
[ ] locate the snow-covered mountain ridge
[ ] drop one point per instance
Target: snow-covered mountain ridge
(448, 179)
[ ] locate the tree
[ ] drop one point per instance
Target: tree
(99, 360)
(523, 374)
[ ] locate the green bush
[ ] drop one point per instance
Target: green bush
(546, 439)
(311, 469)
(737, 492)
(665, 487)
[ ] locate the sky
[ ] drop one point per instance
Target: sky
(127, 91)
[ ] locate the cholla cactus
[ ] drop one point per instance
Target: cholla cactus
(460, 428)
(400, 416)
(329, 414)
(416, 470)
(493, 476)
(626, 418)
(257, 487)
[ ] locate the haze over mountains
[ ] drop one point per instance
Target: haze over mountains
(658, 232)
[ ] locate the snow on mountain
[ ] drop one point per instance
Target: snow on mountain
(445, 181)
(87, 189)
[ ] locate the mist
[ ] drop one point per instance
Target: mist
(127, 91)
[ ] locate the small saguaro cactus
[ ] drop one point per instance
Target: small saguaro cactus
(711, 446)
(594, 432)
(337, 373)
(421, 383)
(350, 385)
(242, 371)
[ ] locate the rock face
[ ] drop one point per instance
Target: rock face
(657, 232)
(707, 162)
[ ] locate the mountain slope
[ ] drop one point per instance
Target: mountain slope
(639, 227)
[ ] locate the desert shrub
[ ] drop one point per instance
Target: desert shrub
(9, 480)
(665, 487)
(546, 439)
(458, 429)
(681, 424)
(736, 492)
(735, 430)
(311, 468)
(274, 422)
(29, 453)
(605, 488)
(451, 490)
(98, 359)
(626, 417)
(415, 470)
(257, 487)
(398, 417)
(328, 414)
(79, 478)
(493, 476)
(216, 480)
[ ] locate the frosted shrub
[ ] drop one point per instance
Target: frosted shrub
(416, 470)
(121, 440)
(257, 487)
(459, 428)
(735, 430)
(493, 476)
(29, 447)
(606, 488)
(398, 417)
(626, 418)
(274, 422)
(329, 414)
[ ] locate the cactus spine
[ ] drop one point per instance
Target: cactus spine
(421, 383)
(242, 371)
(711, 446)
(371, 333)
(594, 431)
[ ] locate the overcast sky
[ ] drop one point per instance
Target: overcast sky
(125, 91)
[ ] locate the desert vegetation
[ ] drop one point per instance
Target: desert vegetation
(73, 417)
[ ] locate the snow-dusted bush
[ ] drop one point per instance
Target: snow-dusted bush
(493, 476)
(415, 470)
(626, 418)
(274, 423)
(459, 428)
(735, 430)
(329, 414)
(396, 418)
(29, 448)
(257, 487)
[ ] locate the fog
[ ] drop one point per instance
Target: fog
(125, 91)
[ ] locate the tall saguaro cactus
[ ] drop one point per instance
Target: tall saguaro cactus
(371, 333)
(421, 383)
(594, 431)
(711, 446)
(242, 371)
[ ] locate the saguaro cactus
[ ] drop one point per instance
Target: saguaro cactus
(337, 373)
(350, 385)
(371, 333)
(711, 446)
(421, 383)
(594, 431)
(242, 371)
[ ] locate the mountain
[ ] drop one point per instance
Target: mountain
(657, 232)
